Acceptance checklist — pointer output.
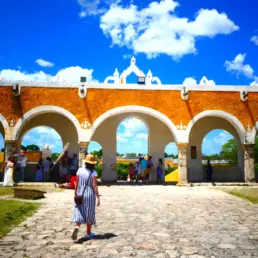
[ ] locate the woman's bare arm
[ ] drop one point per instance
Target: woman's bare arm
(95, 187)
(76, 185)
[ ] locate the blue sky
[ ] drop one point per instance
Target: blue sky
(180, 41)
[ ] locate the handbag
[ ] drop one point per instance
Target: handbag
(78, 198)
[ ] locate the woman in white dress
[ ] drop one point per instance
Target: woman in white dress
(8, 176)
(86, 187)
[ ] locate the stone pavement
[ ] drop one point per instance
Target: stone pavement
(142, 221)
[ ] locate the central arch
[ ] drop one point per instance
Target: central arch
(134, 109)
(161, 132)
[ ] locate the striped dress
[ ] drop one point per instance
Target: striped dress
(85, 213)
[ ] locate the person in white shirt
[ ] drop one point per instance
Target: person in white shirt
(22, 162)
(47, 164)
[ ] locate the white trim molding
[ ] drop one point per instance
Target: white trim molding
(4, 122)
(221, 114)
(42, 110)
(254, 133)
(134, 109)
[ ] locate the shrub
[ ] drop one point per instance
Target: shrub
(122, 171)
(98, 168)
(169, 170)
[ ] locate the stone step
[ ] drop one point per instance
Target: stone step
(37, 184)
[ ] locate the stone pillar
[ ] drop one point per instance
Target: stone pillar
(10, 148)
(83, 151)
(249, 168)
(182, 163)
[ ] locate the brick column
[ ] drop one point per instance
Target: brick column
(182, 163)
(10, 148)
(249, 169)
(83, 151)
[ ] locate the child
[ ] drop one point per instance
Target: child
(131, 172)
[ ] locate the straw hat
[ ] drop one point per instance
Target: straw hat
(146, 157)
(90, 159)
(24, 153)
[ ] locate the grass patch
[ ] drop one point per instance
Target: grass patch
(12, 213)
(6, 191)
(248, 193)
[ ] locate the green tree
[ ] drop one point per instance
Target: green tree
(230, 151)
(54, 156)
(98, 153)
(131, 154)
(32, 147)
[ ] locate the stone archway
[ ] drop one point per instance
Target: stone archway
(57, 118)
(105, 128)
(198, 128)
(134, 109)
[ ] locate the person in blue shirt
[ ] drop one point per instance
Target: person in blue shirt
(143, 163)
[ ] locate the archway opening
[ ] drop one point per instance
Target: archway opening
(171, 162)
(132, 138)
(221, 132)
(96, 149)
(221, 148)
(40, 142)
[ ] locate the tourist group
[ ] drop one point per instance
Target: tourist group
(63, 171)
(140, 171)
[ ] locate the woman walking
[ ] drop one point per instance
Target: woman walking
(87, 189)
(8, 176)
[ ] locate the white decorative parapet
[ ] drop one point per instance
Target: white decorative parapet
(132, 68)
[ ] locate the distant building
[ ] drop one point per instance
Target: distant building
(46, 152)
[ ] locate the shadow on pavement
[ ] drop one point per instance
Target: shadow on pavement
(97, 237)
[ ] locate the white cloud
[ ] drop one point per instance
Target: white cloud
(69, 75)
(44, 63)
(214, 140)
(133, 126)
(157, 29)
(43, 136)
(204, 81)
(120, 138)
(238, 67)
(189, 81)
(132, 136)
(255, 82)
(127, 56)
(94, 7)
(254, 39)
(142, 136)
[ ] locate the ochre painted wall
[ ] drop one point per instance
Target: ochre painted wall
(99, 101)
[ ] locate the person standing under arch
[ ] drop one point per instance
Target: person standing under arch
(209, 171)
(149, 167)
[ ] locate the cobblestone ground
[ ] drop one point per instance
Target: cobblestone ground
(142, 221)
